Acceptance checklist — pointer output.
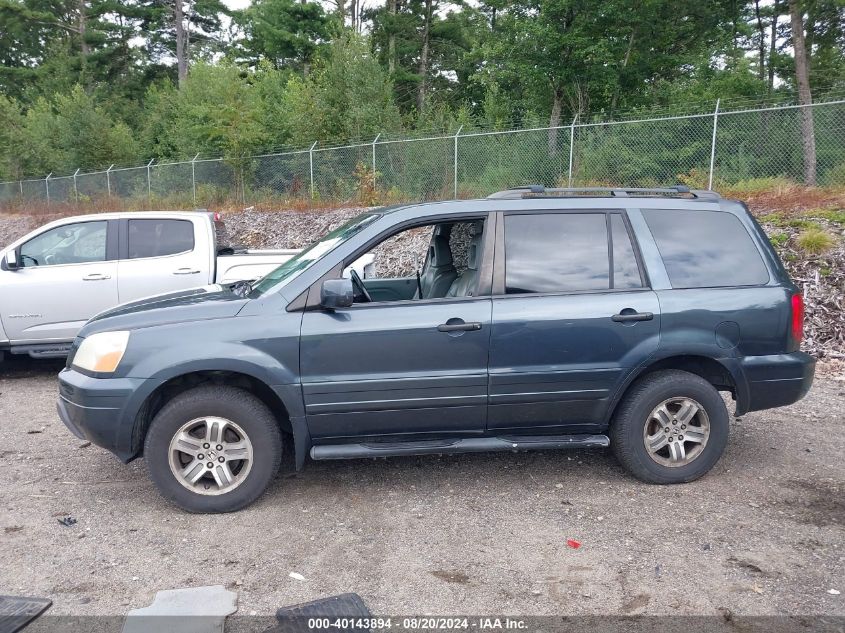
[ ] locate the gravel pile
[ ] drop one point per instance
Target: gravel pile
(14, 226)
(822, 282)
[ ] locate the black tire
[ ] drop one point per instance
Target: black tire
(236, 405)
(632, 415)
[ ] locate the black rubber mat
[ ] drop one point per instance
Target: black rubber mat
(18, 611)
(345, 612)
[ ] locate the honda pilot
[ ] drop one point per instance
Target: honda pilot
(534, 319)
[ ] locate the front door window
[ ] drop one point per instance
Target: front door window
(79, 243)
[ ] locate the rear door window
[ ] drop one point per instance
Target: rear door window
(556, 252)
(702, 249)
(158, 238)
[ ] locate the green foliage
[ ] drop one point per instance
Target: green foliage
(835, 176)
(72, 130)
(779, 239)
(347, 96)
(288, 33)
(832, 215)
(216, 112)
(11, 138)
(758, 185)
(815, 241)
(85, 83)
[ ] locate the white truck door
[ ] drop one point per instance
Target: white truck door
(65, 275)
(163, 254)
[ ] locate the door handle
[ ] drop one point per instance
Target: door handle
(185, 271)
(472, 326)
(96, 277)
(628, 315)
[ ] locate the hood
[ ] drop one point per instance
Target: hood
(208, 302)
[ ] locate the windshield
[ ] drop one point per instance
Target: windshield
(303, 260)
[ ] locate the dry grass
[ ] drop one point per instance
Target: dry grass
(815, 241)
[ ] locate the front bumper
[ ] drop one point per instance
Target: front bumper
(776, 381)
(101, 410)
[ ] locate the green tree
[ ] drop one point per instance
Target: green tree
(288, 33)
(425, 45)
(347, 96)
(71, 132)
(11, 138)
(216, 111)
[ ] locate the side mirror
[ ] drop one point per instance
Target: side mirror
(337, 293)
(12, 260)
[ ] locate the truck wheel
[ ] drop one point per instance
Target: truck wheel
(213, 449)
(671, 427)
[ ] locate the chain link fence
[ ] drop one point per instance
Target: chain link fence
(721, 149)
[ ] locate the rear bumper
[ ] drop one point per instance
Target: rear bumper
(776, 381)
(100, 410)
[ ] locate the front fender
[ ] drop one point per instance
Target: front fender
(266, 350)
(169, 363)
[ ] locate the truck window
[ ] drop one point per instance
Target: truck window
(78, 243)
(157, 238)
(702, 249)
(556, 252)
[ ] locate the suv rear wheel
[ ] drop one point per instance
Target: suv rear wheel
(671, 427)
(213, 449)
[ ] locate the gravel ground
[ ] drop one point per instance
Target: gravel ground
(760, 535)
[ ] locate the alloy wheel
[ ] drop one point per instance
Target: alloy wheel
(210, 455)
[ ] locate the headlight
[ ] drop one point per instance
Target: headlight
(101, 352)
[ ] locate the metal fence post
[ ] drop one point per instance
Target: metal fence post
(149, 183)
(571, 146)
(108, 179)
(374, 158)
(194, 178)
(311, 167)
(457, 134)
(713, 144)
(243, 179)
(20, 185)
(47, 186)
(75, 188)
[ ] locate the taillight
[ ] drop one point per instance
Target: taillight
(797, 318)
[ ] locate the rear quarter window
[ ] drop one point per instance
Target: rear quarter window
(705, 249)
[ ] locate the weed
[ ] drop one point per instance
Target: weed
(815, 241)
(779, 239)
(832, 215)
(772, 184)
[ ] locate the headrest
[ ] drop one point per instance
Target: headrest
(439, 252)
(473, 251)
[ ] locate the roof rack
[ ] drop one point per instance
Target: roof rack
(540, 191)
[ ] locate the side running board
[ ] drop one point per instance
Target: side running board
(43, 350)
(465, 445)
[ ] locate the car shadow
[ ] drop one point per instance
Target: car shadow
(23, 366)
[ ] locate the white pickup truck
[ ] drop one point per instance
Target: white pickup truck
(57, 277)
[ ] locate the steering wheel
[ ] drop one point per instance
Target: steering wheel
(356, 281)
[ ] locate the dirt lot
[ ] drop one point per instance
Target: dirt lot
(761, 535)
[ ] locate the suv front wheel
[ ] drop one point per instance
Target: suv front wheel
(671, 427)
(213, 449)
